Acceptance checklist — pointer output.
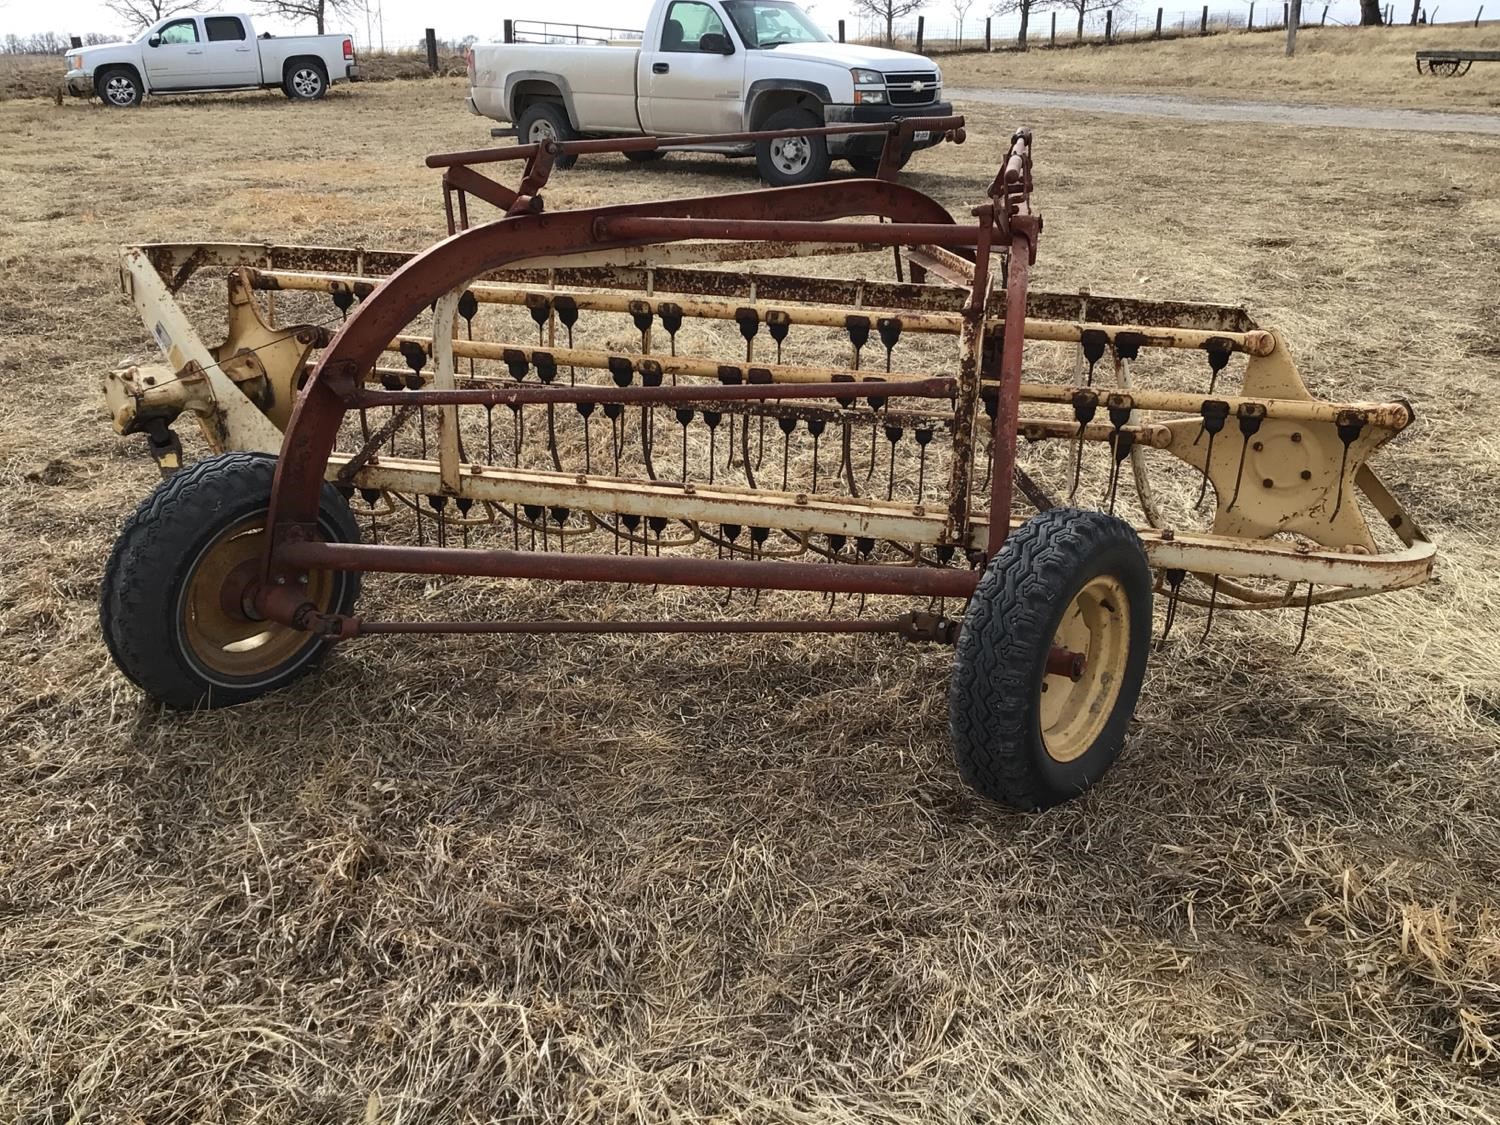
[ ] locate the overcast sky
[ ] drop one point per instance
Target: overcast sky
(403, 20)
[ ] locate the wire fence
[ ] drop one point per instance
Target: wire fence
(1061, 26)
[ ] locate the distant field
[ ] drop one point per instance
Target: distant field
(29, 76)
(1345, 65)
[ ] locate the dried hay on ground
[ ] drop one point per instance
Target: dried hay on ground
(625, 879)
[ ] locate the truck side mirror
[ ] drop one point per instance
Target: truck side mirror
(154, 41)
(716, 43)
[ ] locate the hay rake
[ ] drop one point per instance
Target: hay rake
(614, 395)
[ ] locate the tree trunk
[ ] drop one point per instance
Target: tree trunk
(1294, 20)
(890, 35)
(1369, 13)
(1025, 19)
(1082, 5)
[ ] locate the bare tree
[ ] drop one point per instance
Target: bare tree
(1086, 7)
(889, 11)
(1024, 8)
(319, 11)
(143, 13)
(960, 10)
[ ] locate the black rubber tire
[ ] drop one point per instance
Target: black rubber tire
(555, 116)
(994, 700)
(297, 67)
(120, 78)
(818, 159)
(650, 156)
(869, 165)
(153, 560)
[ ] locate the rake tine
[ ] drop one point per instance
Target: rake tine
(1306, 613)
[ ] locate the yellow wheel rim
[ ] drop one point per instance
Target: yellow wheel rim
(220, 637)
(1075, 712)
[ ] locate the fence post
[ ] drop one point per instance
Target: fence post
(1250, 23)
(921, 26)
(1109, 25)
(510, 31)
(986, 33)
(1053, 41)
(432, 50)
(1158, 23)
(1203, 24)
(1478, 14)
(841, 31)
(1324, 21)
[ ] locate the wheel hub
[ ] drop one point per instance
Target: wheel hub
(1078, 696)
(119, 90)
(217, 620)
(790, 154)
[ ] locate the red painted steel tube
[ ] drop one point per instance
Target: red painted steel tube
(841, 578)
(883, 234)
(1003, 468)
(707, 392)
(808, 625)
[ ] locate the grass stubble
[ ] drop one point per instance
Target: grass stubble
(660, 879)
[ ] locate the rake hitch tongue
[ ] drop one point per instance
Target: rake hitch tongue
(340, 459)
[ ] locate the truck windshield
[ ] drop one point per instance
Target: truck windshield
(770, 23)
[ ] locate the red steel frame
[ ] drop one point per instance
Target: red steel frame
(337, 384)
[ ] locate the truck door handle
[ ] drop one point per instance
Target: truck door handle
(243, 49)
(198, 51)
(660, 68)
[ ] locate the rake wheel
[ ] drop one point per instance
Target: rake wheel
(1024, 735)
(167, 619)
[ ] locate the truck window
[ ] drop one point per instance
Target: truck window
(770, 23)
(687, 22)
(179, 31)
(221, 29)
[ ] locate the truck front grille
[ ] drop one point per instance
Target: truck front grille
(914, 87)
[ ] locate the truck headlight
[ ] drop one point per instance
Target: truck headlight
(869, 86)
(75, 62)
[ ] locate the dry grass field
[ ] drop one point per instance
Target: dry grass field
(1341, 66)
(654, 880)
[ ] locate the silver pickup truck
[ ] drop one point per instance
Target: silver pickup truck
(712, 66)
(191, 54)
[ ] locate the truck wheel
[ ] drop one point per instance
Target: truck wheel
(546, 121)
(792, 160)
(161, 604)
(305, 81)
(1071, 579)
(119, 87)
(869, 165)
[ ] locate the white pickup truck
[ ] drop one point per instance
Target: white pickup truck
(712, 66)
(190, 54)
